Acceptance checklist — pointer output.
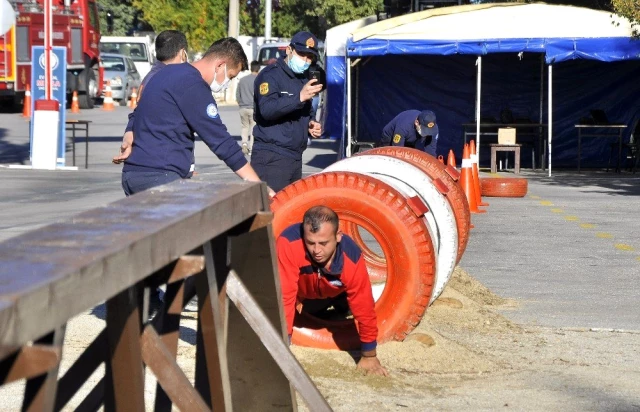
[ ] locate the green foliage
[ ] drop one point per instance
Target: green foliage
(123, 14)
(202, 22)
(629, 9)
(315, 16)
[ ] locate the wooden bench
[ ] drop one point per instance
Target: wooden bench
(495, 148)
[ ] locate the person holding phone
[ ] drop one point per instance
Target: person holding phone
(283, 113)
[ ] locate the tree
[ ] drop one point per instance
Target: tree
(631, 10)
(315, 16)
(123, 14)
(202, 22)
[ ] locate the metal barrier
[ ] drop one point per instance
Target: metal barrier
(213, 240)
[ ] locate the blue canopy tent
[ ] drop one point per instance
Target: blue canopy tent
(471, 62)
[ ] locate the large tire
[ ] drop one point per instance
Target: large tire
(86, 84)
(504, 186)
(412, 182)
(403, 236)
(447, 175)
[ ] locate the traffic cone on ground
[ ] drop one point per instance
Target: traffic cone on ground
(467, 183)
(451, 159)
(75, 107)
(476, 173)
(107, 103)
(26, 105)
(133, 101)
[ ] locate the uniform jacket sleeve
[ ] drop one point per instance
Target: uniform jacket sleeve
(289, 275)
(360, 299)
(129, 127)
(201, 113)
(275, 103)
(387, 135)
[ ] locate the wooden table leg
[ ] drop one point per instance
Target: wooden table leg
(517, 160)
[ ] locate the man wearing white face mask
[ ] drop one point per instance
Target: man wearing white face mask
(176, 104)
(282, 101)
(171, 48)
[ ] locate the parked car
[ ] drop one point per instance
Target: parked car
(121, 74)
(271, 51)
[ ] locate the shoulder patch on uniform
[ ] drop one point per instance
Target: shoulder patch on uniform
(212, 111)
(396, 138)
(264, 88)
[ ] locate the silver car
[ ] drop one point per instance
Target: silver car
(120, 73)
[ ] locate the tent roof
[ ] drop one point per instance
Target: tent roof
(575, 32)
(499, 21)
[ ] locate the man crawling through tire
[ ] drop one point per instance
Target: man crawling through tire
(324, 270)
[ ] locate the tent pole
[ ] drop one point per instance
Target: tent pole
(541, 117)
(348, 148)
(478, 89)
(550, 109)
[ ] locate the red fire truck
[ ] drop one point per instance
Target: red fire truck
(75, 26)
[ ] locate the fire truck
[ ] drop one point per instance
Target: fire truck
(75, 26)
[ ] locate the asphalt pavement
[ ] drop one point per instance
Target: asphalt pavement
(569, 251)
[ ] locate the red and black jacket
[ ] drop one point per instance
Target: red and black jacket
(301, 278)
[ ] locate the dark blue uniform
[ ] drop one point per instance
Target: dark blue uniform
(401, 131)
(282, 125)
(176, 103)
(157, 66)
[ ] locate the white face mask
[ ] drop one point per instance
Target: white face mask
(219, 87)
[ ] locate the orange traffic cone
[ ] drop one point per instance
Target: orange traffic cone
(451, 159)
(476, 173)
(467, 183)
(75, 107)
(26, 105)
(133, 101)
(107, 103)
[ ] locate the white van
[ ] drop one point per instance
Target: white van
(140, 49)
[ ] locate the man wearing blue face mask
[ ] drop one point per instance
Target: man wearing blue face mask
(282, 107)
(412, 128)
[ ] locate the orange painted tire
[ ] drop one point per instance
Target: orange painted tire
(504, 186)
(436, 170)
(403, 237)
(376, 264)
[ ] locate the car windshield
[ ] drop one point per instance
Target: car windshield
(269, 55)
(137, 51)
(115, 64)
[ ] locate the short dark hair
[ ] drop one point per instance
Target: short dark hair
(255, 66)
(317, 215)
(169, 43)
(230, 49)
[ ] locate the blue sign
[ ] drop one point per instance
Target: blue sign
(58, 89)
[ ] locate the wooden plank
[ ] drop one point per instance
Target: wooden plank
(124, 372)
(272, 340)
(81, 370)
(40, 392)
(29, 362)
(211, 324)
(169, 329)
(186, 266)
(256, 378)
(122, 243)
(169, 375)
(261, 220)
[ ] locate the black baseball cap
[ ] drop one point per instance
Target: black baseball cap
(428, 125)
(305, 42)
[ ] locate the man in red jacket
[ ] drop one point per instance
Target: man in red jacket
(321, 267)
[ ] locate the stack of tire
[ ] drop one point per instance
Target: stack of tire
(417, 212)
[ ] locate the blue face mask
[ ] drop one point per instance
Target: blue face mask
(297, 65)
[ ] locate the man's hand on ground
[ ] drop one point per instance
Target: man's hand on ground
(315, 129)
(371, 366)
(125, 148)
(309, 90)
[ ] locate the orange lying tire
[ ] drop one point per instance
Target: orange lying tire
(503, 186)
(403, 237)
(436, 170)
